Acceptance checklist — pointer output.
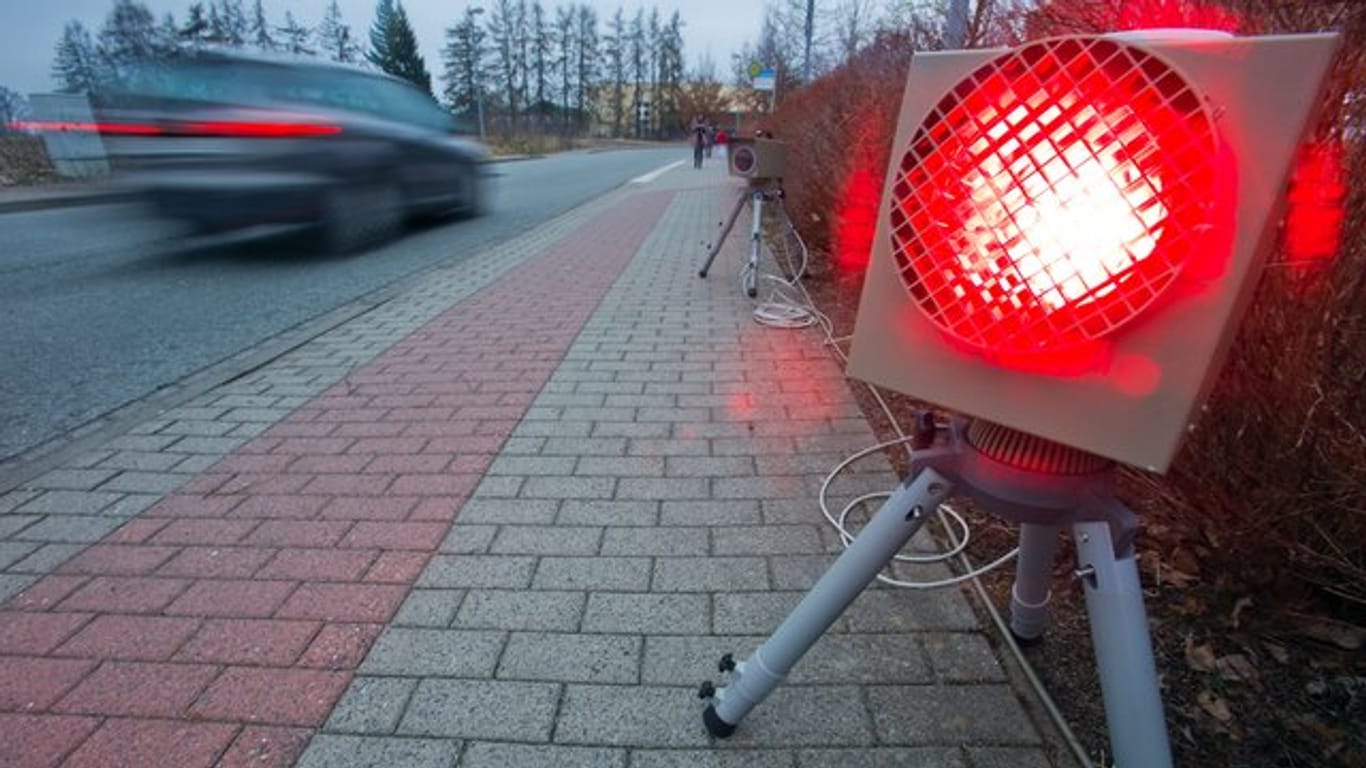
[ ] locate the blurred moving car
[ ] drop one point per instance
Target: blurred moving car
(224, 141)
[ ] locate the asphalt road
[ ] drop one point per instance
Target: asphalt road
(103, 305)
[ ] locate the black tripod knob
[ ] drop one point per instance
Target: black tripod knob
(726, 664)
(706, 690)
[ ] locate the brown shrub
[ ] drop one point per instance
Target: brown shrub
(1276, 473)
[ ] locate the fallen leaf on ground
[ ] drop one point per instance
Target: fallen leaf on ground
(1236, 667)
(1214, 706)
(1200, 657)
(1345, 636)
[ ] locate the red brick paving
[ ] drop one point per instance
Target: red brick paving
(222, 625)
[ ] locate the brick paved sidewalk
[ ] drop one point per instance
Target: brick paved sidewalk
(511, 518)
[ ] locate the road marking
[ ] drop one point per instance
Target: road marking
(656, 173)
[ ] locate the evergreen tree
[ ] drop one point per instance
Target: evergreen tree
(393, 45)
(586, 47)
(616, 53)
(13, 106)
(540, 56)
(334, 36)
(258, 30)
(233, 23)
(502, 30)
(565, 30)
(75, 66)
(463, 60)
(639, 64)
(128, 37)
(294, 37)
(195, 31)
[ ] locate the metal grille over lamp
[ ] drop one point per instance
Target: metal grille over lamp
(1053, 195)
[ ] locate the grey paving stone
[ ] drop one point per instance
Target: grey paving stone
(620, 466)
(668, 447)
(767, 540)
(1005, 757)
(710, 466)
(615, 574)
(670, 542)
(554, 487)
(546, 540)
(130, 505)
(70, 529)
(501, 487)
(631, 716)
(754, 613)
(464, 539)
(47, 558)
(490, 571)
(963, 658)
(553, 429)
(144, 482)
(438, 652)
(523, 446)
(664, 488)
(504, 609)
(709, 574)
(690, 659)
(807, 715)
(193, 465)
(799, 571)
(72, 479)
(599, 512)
(710, 513)
(12, 584)
(12, 523)
(642, 613)
(770, 487)
(924, 757)
(143, 443)
(335, 751)
(15, 499)
(899, 610)
(494, 755)
(69, 503)
(13, 551)
(429, 608)
(482, 709)
(532, 465)
(214, 446)
(950, 714)
(571, 658)
(836, 659)
(656, 429)
(586, 446)
(371, 705)
(509, 511)
(697, 758)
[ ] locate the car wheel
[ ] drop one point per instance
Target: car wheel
(355, 217)
(475, 201)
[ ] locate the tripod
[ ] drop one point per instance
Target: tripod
(1041, 485)
(755, 195)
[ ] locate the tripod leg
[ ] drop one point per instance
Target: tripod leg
(725, 231)
(1124, 651)
(756, 242)
(1029, 595)
(752, 680)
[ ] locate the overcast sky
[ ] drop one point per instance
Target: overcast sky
(29, 29)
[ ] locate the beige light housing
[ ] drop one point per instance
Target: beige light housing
(757, 159)
(1116, 355)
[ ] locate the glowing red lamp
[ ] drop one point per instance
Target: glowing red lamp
(1070, 228)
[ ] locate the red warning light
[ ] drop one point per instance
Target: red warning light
(1053, 195)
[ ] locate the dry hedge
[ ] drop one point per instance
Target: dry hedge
(1275, 476)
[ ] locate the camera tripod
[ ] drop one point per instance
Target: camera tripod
(755, 195)
(1043, 486)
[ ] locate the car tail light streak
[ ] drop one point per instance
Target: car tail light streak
(278, 128)
(1053, 195)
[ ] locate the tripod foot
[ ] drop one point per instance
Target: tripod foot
(1026, 642)
(702, 273)
(753, 293)
(715, 725)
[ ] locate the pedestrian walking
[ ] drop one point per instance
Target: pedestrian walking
(699, 140)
